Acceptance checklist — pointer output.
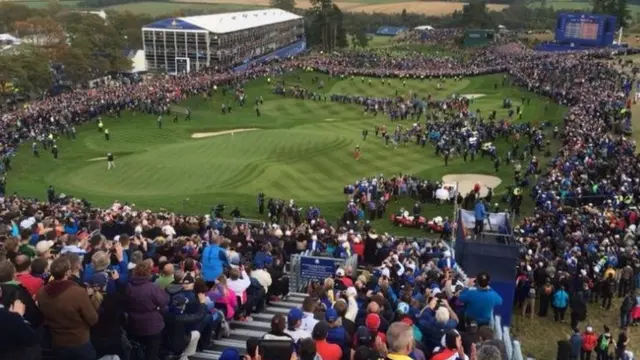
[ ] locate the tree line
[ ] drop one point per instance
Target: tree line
(81, 47)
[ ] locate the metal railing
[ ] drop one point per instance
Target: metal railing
(512, 347)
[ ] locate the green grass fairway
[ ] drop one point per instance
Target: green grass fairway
(161, 8)
(303, 150)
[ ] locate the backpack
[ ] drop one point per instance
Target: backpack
(603, 343)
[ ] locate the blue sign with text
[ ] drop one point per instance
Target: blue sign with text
(313, 268)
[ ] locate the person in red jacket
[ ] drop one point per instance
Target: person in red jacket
(589, 340)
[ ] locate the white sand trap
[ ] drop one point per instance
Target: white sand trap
(467, 181)
(218, 133)
(98, 158)
(330, 119)
(473, 96)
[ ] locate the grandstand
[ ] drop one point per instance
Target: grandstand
(221, 40)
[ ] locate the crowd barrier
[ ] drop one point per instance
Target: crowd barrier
(512, 346)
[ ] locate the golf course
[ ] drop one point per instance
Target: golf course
(296, 149)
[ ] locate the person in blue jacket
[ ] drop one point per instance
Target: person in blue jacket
(560, 302)
(98, 265)
(480, 301)
(480, 214)
(214, 259)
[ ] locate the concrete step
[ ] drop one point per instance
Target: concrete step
(251, 325)
(286, 304)
(243, 330)
(206, 355)
(245, 334)
(276, 310)
(222, 344)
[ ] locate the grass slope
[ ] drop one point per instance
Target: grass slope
(303, 151)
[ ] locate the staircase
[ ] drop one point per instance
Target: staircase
(243, 330)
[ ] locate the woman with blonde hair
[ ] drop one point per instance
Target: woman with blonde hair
(223, 297)
(106, 333)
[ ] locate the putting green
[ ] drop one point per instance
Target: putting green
(301, 149)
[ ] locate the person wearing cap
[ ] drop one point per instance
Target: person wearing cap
(345, 282)
(294, 322)
(589, 342)
(336, 333)
(372, 322)
(325, 349)
(480, 302)
(182, 323)
(102, 261)
(404, 315)
(43, 249)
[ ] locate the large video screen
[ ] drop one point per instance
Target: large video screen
(584, 29)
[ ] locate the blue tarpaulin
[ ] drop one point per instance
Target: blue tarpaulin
(285, 52)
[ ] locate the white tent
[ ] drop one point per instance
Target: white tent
(423, 27)
(9, 39)
(139, 62)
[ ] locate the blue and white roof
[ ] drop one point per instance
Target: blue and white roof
(226, 22)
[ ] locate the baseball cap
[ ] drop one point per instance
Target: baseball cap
(331, 315)
(340, 272)
(294, 315)
(372, 321)
(320, 331)
(403, 308)
(229, 354)
(44, 246)
(363, 335)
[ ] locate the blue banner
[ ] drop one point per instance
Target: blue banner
(314, 268)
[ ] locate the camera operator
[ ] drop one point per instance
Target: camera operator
(436, 319)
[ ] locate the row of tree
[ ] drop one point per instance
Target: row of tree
(82, 47)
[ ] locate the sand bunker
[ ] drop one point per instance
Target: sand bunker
(467, 181)
(473, 96)
(330, 119)
(98, 158)
(218, 133)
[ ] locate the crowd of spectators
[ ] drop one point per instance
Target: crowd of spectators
(83, 283)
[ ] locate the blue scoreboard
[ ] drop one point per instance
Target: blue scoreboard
(585, 29)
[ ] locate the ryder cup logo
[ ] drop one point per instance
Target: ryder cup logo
(317, 261)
